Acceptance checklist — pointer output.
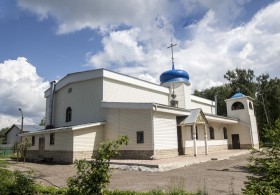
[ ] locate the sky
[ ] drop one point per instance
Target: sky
(44, 40)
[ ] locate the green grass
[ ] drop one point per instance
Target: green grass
(3, 163)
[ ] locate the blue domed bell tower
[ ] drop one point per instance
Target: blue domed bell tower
(178, 83)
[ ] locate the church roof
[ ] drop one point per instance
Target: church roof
(174, 75)
(238, 95)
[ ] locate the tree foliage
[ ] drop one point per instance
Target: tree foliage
(13, 183)
(265, 91)
(265, 164)
(23, 147)
(93, 176)
(242, 80)
(223, 92)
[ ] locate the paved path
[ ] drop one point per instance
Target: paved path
(216, 176)
(174, 163)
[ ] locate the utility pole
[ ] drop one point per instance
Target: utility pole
(21, 121)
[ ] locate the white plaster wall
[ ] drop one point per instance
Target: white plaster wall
(243, 114)
(218, 132)
(242, 130)
(116, 91)
(84, 100)
(165, 131)
(63, 141)
(128, 122)
(189, 144)
(182, 92)
(88, 139)
(205, 107)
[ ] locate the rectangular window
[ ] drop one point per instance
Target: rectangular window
(225, 133)
(52, 139)
(212, 134)
(70, 90)
(196, 131)
(33, 141)
(140, 137)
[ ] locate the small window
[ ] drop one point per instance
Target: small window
(250, 105)
(237, 106)
(225, 133)
(140, 137)
(212, 134)
(52, 137)
(196, 131)
(68, 114)
(70, 90)
(33, 141)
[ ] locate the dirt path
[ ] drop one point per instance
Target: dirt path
(216, 177)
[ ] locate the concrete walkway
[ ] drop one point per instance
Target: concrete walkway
(167, 164)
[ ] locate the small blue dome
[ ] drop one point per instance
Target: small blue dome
(174, 75)
(238, 95)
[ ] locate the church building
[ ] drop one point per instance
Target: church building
(162, 120)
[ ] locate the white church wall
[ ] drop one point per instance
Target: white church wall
(129, 122)
(116, 91)
(62, 141)
(244, 135)
(88, 139)
(182, 92)
(165, 131)
(165, 135)
(255, 136)
(84, 100)
(207, 106)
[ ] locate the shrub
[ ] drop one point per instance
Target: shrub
(16, 183)
(93, 176)
(265, 164)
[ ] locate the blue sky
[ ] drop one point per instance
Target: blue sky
(43, 40)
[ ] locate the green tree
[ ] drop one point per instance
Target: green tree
(223, 92)
(243, 80)
(23, 147)
(265, 164)
(93, 176)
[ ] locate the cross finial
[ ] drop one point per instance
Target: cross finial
(171, 46)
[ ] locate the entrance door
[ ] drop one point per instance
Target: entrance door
(41, 147)
(180, 143)
(235, 141)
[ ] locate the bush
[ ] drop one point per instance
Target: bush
(16, 183)
(93, 176)
(265, 164)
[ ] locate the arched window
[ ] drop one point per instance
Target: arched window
(68, 114)
(225, 133)
(250, 105)
(237, 106)
(212, 134)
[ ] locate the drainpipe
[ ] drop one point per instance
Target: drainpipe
(216, 104)
(51, 105)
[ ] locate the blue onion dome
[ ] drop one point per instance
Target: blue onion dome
(174, 75)
(238, 95)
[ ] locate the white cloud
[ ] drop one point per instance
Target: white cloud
(75, 15)
(208, 48)
(20, 87)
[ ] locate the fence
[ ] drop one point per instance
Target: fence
(5, 151)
